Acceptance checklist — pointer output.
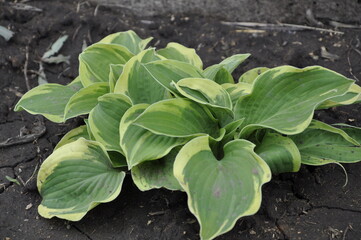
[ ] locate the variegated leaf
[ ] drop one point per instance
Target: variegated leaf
(284, 98)
(221, 191)
(181, 53)
(76, 178)
(49, 100)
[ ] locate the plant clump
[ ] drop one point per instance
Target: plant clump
(173, 124)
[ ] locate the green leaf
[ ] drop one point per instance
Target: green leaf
(251, 75)
(91, 137)
(233, 61)
(321, 144)
(181, 53)
(237, 90)
(223, 76)
(204, 91)
(354, 133)
(73, 135)
(156, 174)
(95, 60)
(221, 191)
(114, 74)
(342, 132)
(128, 39)
(14, 180)
(39, 99)
(280, 153)
(85, 100)
(75, 178)
(229, 64)
(137, 83)
(284, 98)
(231, 130)
(140, 144)
(353, 95)
(118, 160)
(167, 72)
(104, 119)
(179, 118)
(209, 93)
(223, 115)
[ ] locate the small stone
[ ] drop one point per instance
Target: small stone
(30, 205)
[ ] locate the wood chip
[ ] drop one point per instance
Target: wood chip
(328, 55)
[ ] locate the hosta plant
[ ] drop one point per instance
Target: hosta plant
(174, 124)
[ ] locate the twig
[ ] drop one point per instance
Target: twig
(343, 25)
(345, 232)
(39, 130)
(76, 32)
(348, 57)
(89, 36)
(32, 175)
(26, 68)
(119, 5)
(25, 7)
(250, 31)
(156, 213)
(80, 4)
(33, 71)
(279, 26)
(60, 74)
(96, 10)
(350, 66)
(16, 92)
(356, 50)
(78, 7)
(21, 180)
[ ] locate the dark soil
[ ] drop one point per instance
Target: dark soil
(310, 204)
